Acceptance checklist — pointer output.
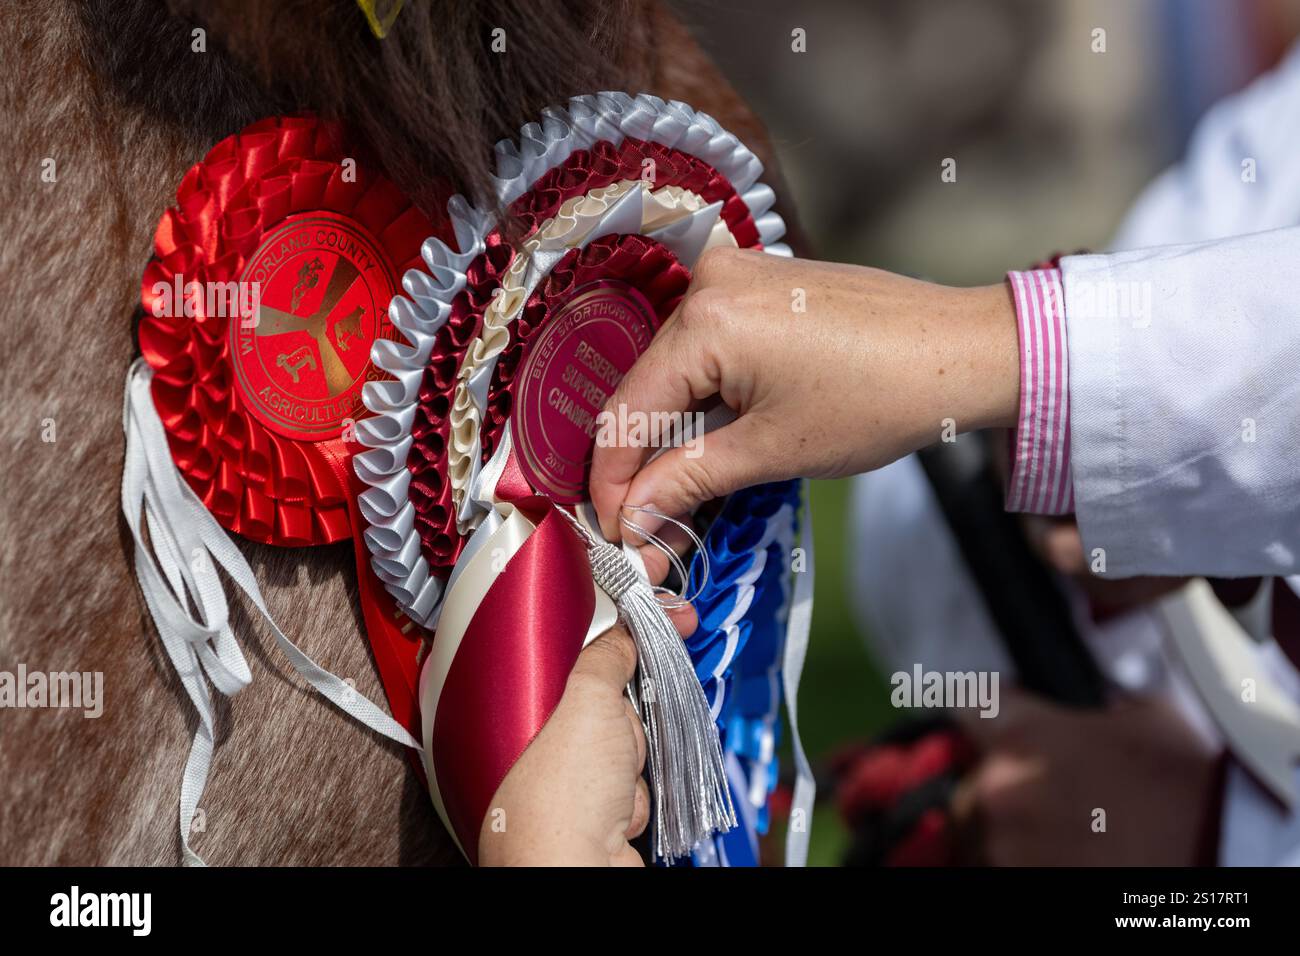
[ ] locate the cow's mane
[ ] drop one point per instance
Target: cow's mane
(111, 92)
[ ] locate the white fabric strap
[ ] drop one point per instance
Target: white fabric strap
(1222, 660)
(798, 625)
(179, 573)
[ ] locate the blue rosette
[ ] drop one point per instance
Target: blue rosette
(738, 650)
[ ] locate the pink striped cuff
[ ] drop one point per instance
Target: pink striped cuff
(1040, 480)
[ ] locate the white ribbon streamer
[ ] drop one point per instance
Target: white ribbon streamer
(176, 568)
(798, 625)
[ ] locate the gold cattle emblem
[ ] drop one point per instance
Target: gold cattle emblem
(348, 329)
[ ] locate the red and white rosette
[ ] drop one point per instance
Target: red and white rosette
(483, 429)
(259, 408)
(270, 283)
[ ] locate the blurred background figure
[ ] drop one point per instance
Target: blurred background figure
(1057, 115)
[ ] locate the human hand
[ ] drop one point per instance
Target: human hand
(576, 797)
(1058, 543)
(1046, 770)
(868, 373)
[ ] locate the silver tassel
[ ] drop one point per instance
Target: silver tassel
(692, 799)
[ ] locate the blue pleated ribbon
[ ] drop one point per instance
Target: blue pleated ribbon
(737, 651)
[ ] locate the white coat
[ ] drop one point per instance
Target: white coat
(1185, 429)
(1185, 424)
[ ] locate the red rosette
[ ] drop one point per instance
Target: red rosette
(253, 405)
(644, 264)
(610, 232)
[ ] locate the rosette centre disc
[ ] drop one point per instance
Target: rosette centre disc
(570, 371)
(323, 285)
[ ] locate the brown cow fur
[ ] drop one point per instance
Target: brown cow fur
(294, 781)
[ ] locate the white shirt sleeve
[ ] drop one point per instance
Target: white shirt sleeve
(1185, 406)
(1185, 360)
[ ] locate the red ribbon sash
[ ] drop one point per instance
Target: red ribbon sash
(513, 662)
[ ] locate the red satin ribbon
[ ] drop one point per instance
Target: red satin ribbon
(512, 664)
